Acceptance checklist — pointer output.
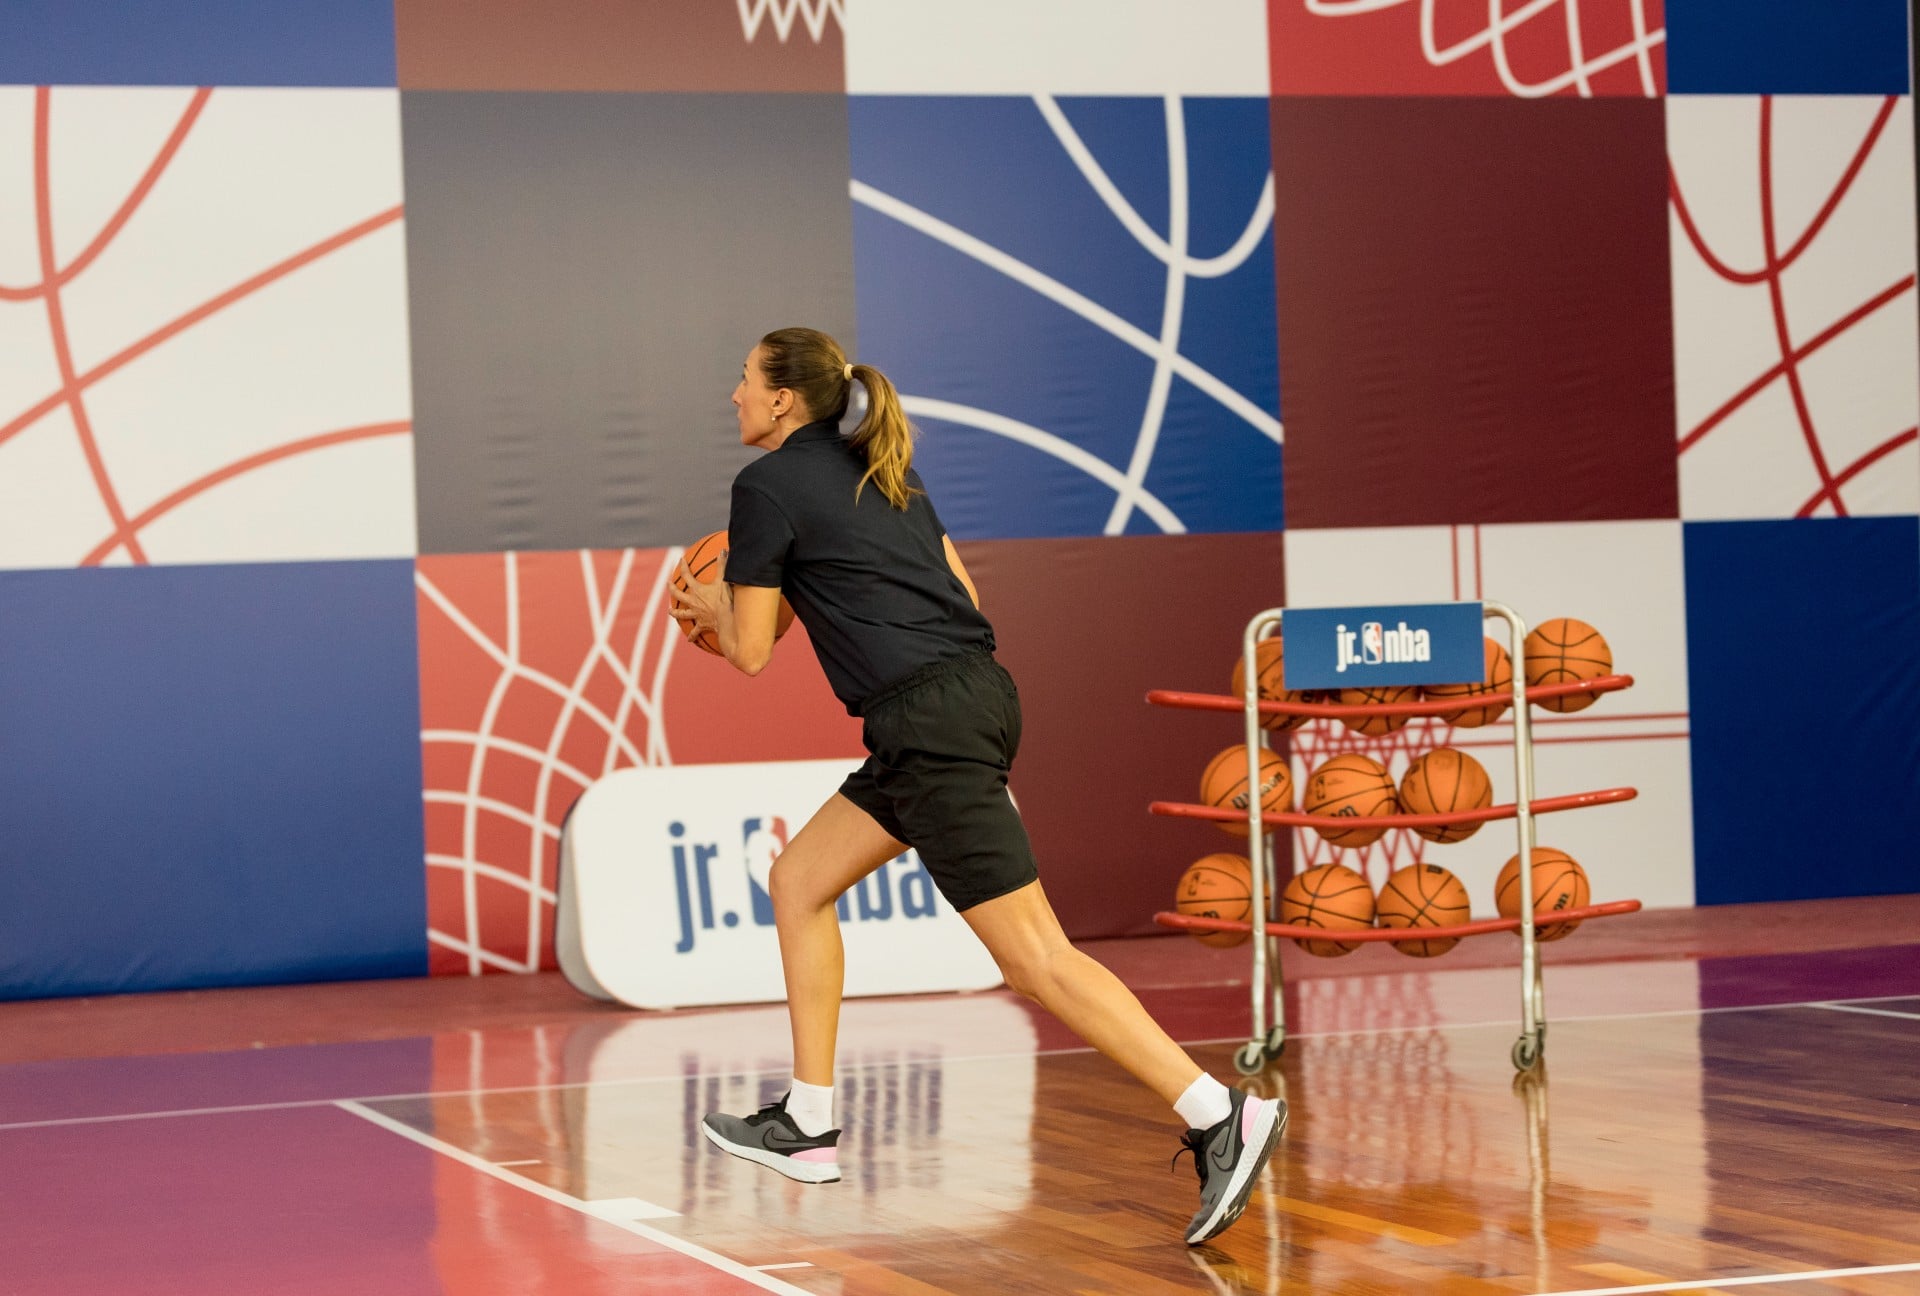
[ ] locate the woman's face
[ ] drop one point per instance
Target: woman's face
(754, 401)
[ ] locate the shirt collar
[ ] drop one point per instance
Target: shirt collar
(820, 430)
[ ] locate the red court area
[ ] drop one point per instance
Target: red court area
(506, 1135)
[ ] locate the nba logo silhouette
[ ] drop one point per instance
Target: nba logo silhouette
(1370, 640)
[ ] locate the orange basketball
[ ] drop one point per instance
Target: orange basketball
(703, 556)
(1558, 883)
(1563, 651)
(1442, 781)
(1333, 897)
(1225, 784)
(1217, 886)
(1371, 724)
(1350, 786)
(1269, 657)
(1423, 895)
(1498, 679)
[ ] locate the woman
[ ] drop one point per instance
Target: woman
(843, 527)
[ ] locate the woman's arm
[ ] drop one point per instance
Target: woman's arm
(746, 635)
(742, 617)
(960, 570)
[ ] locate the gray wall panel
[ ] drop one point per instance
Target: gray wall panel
(587, 272)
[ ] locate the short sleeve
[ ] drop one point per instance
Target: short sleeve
(915, 484)
(758, 539)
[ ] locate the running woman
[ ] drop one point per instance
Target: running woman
(843, 527)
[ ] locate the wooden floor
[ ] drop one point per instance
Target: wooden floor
(1667, 1149)
(1698, 1125)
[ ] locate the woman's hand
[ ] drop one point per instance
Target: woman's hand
(743, 624)
(701, 606)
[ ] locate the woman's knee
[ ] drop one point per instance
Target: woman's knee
(1030, 972)
(792, 890)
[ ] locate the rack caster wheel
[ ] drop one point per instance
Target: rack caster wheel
(1526, 1053)
(1276, 1042)
(1250, 1058)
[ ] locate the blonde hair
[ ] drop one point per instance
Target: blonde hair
(812, 365)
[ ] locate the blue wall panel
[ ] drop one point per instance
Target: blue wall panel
(991, 275)
(1787, 47)
(1805, 693)
(209, 776)
(207, 42)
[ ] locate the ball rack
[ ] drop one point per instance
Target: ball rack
(1269, 1027)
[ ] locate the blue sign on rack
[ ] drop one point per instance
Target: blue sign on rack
(1362, 647)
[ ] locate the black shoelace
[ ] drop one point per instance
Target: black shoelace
(1194, 1141)
(768, 1112)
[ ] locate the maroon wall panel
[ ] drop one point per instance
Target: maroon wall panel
(1475, 319)
(1087, 626)
(664, 45)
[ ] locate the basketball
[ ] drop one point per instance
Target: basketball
(1350, 786)
(1371, 724)
(1558, 883)
(1217, 886)
(1498, 678)
(1333, 897)
(1423, 895)
(1225, 784)
(1269, 657)
(703, 556)
(1442, 781)
(1563, 651)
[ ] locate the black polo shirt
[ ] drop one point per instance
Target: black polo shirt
(869, 581)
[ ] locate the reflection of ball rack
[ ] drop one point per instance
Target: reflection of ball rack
(1267, 1041)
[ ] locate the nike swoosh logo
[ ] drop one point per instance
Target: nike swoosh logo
(779, 1138)
(1224, 1164)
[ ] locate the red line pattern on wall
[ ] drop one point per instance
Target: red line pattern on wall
(74, 383)
(1792, 353)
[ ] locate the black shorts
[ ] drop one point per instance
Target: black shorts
(942, 741)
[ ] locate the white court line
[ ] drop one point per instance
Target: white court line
(691, 1250)
(1506, 1023)
(1745, 1280)
(1877, 1012)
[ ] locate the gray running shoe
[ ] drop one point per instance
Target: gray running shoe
(1229, 1157)
(770, 1137)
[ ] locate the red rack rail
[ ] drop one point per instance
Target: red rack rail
(1346, 823)
(1481, 927)
(1340, 710)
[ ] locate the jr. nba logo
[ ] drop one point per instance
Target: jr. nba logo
(1370, 643)
(1373, 643)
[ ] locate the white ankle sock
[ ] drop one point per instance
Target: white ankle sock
(1204, 1104)
(811, 1107)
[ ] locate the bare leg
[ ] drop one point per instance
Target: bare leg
(838, 846)
(1020, 931)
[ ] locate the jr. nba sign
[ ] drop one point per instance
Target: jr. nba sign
(666, 896)
(1360, 647)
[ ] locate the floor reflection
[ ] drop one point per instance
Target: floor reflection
(1676, 1147)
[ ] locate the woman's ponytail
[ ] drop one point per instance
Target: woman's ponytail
(885, 436)
(811, 364)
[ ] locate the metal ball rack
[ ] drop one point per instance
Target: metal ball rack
(1269, 1028)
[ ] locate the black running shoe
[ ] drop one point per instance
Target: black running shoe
(1229, 1157)
(770, 1137)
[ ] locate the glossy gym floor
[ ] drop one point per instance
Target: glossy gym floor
(1729, 1103)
